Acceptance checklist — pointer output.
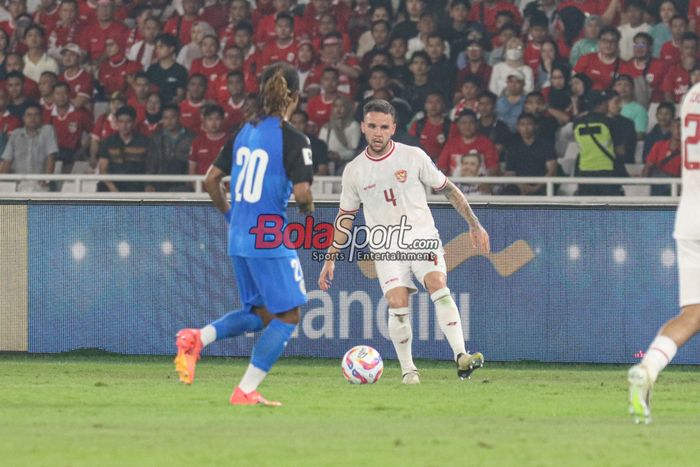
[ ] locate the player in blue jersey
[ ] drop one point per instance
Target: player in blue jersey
(268, 159)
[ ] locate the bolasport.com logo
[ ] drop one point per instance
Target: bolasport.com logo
(385, 242)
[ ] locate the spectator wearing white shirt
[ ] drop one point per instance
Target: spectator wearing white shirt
(143, 51)
(31, 149)
(634, 12)
(513, 63)
(36, 60)
(341, 133)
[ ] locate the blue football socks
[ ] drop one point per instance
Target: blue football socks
(236, 323)
(271, 344)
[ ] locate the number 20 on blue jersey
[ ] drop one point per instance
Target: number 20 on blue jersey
(249, 184)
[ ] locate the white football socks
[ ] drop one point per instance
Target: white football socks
(660, 353)
(207, 334)
(252, 378)
(449, 320)
(402, 336)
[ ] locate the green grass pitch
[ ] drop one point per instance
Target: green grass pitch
(102, 410)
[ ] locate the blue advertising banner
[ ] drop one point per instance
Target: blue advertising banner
(580, 284)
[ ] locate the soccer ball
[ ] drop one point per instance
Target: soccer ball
(362, 365)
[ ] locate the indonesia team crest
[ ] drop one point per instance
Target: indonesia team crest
(401, 175)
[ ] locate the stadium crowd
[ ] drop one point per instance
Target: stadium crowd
(487, 87)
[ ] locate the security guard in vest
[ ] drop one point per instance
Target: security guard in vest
(601, 151)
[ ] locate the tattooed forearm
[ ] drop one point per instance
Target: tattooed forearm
(456, 198)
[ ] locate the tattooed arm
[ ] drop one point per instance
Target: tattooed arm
(479, 236)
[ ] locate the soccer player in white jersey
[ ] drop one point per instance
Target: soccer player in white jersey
(389, 179)
(680, 329)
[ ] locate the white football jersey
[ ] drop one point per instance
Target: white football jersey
(688, 215)
(391, 187)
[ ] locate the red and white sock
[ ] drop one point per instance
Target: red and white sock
(660, 353)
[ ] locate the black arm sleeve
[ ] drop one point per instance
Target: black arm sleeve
(298, 161)
(224, 161)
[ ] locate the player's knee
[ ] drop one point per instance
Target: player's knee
(435, 281)
(292, 316)
(397, 301)
(692, 313)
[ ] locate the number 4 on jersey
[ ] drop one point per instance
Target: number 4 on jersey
(389, 196)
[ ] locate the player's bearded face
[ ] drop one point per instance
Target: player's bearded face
(378, 129)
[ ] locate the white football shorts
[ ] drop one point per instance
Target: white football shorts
(688, 271)
(392, 274)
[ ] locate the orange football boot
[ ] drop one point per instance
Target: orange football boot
(252, 398)
(189, 347)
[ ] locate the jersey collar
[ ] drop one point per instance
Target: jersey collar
(389, 152)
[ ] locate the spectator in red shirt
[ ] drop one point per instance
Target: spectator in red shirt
(152, 122)
(105, 126)
(284, 48)
(464, 140)
(664, 159)
(87, 11)
(234, 106)
(70, 124)
(475, 64)
(191, 106)
(320, 106)
(67, 30)
(180, 25)
(233, 59)
(328, 24)
(485, 13)
(79, 80)
(47, 81)
(47, 14)
(140, 13)
(210, 65)
(30, 89)
(265, 29)
(468, 96)
(216, 14)
(538, 34)
(332, 55)
(95, 34)
(671, 50)
(677, 78)
(207, 145)
(642, 64)
(15, 8)
(140, 90)
(316, 8)
(602, 66)
(239, 13)
(243, 39)
(117, 72)
(433, 129)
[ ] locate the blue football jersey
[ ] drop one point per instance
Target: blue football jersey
(267, 158)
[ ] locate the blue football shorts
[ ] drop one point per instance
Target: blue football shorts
(275, 283)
